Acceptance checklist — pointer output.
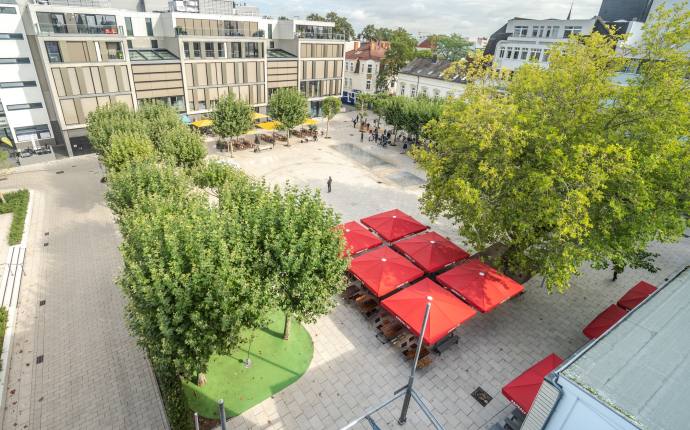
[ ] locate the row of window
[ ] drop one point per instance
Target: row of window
(14, 36)
(423, 91)
(24, 106)
(18, 84)
(218, 50)
(546, 31)
(518, 53)
(351, 66)
(82, 52)
(21, 60)
(130, 28)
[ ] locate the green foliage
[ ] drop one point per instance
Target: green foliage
(128, 147)
(565, 166)
(342, 25)
(3, 327)
(214, 175)
(232, 117)
(16, 203)
(330, 107)
(182, 146)
(159, 117)
(451, 47)
(371, 33)
(140, 181)
(418, 112)
(402, 50)
(289, 106)
(106, 120)
(174, 400)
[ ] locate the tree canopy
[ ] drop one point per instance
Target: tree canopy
(330, 107)
(231, 117)
(128, 147)
(289, 107)
(402, 51)
(565, 166)
(452, 47)
(371, 33)
(106, 120)
(342, 25)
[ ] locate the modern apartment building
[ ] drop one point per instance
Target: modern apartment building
(88, 55)
(523, 40)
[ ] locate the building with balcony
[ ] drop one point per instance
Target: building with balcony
(424, 77)
(23, 115)
(88, 55)
(362, 65)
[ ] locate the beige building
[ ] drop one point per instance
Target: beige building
(86, 57)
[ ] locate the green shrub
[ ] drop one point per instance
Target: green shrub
(3, 326)
(17, 203)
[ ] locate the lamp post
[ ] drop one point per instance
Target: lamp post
(410, 383)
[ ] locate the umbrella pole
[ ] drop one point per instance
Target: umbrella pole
(410, 383)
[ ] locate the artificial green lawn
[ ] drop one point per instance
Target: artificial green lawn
(17, 203)
(276, 363)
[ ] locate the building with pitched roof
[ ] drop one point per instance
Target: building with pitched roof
(362, 65)
(424, 76)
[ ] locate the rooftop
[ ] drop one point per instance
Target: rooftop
(429, 68)
(151, 55)
(275, 53)
(368, 51)
(641, 368)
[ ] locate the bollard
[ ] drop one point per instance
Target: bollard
(196, 421)
(221, 414)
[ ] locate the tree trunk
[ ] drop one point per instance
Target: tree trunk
(328, 122)
(286, 330)
(2, 198)
(288, 138)
(395, 135)
(230, 148)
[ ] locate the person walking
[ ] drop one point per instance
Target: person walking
(361, 136)
(328, 183)
(354, 121)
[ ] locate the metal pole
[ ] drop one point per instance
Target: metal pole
(221, 414)
(196, 421)
(410, 383)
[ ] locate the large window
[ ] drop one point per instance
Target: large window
(523, 53)
(18, 84)
(114, 50)
(53, 50)
(210, 52)
(235, 50)
(8, 10)
(128, 25)
(149, 27)
(221, 50)
(20, 60)
(186, 49)
(40, 131)
(24, 106)
(534, 54)
(571, 29)
(197, 49)
(17, 36)
(252, 50)
(501, 52)
(520, 31)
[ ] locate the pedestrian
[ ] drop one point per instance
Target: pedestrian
(329, 182)
(354, 122)
(376, 135)
(316, 137)
(361, 136)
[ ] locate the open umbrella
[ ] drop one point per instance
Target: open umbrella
(480, 285)
(636, 295)
(269, 125)
(202, 123)
(604, 321)
(393, 225)
(446, 314)
(358, 238)
(310, 121)
(523, 390)
(383, 270)
(431, 251)
(257, 115)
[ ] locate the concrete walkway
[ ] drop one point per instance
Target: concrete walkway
(74, 365)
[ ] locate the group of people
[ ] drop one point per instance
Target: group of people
(376, 134)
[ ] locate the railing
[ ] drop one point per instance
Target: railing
(312, 35)
(87, 3)
(180, 31)
(79, 29)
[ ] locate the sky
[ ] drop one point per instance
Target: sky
(470, 18)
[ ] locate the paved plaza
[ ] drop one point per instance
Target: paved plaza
(94, 376)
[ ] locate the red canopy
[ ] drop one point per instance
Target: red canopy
(384, 270)
(480, 285)
(431, 251)
(393, 225)
(523, 390)
(359, 238)
(636, 295)
(604, 321)
(447, 312)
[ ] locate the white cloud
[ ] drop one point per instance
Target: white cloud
(420, 17)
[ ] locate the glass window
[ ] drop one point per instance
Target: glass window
(16, 36)
(369, 68)
(413, 91)
(516, 52)
(548, 31)
(554, 33)
(149, 27)
(523, 53)
(208, 48)
(18, 84)
(520, 31)
(24, 106)
(197, 49)
(8, 10)
(221, 50)
(571, 29)
(185, 46)
(129, 44)
(368, 84)
(235, 50)
(509, 52)
(154, 44)
(501, 52)
(534, 54)
(114, 50)
(252, 50)
(535, 31)
(21, 60)
(53, 50)
(128, 26)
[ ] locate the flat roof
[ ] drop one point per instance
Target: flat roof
(151, 55)
(279, 53)
(641, 368)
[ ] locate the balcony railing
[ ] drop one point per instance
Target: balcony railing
(79, 29)
(180, 31)
(83, 3)
(311, 35)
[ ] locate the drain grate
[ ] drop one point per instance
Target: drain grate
(39, 359)
(45, 243)
(481, 396)
(59, 172)
(41, 303)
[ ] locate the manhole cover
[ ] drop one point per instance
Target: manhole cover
(481, 396)
(41, 303)
(39, 359)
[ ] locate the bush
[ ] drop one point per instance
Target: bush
(182, 146)
(128, 147)
(106, 120)
(17, 203)
(3, 327)
(174, 400)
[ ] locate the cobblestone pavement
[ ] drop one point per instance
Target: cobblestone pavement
(352, 371)
(93, 376)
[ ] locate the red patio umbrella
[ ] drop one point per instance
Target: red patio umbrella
(523, 390)
(636, 295)
(604, 321)
(393, 225)
(358, 238)
(431, 251)
(446, 314)
(480, 285)
(384, 270)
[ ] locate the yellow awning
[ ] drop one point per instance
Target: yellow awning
(310, 121)
(257, 115)
(268, 125)
(202, 123)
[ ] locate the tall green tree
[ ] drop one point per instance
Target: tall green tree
(128, 147)
(565, 166)
(394, 111)
(418, 112)
(158, 117)
(289, 107)
(342, 25)
(452, 47)
(371, 33)
(105, 120)
(402, 51)
(231, 117)
(182, 146)
(330, 108)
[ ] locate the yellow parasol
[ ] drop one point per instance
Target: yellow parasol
(269, 125)
(202, 123)
(257, 115)
(310, 121)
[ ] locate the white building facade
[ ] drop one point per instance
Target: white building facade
(362, 65)
(424, 76)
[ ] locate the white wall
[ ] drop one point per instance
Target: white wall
(434, 87)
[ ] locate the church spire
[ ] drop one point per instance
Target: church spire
(570, 12)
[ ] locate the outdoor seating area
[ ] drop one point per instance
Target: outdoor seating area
(399, 266)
